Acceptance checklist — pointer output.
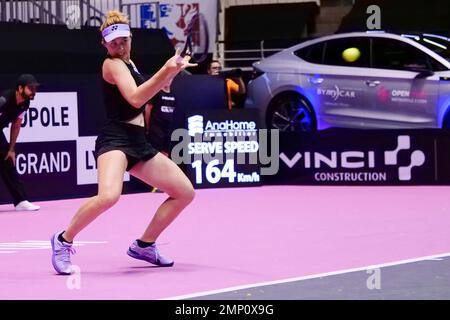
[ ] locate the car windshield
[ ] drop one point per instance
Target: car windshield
(436, 43)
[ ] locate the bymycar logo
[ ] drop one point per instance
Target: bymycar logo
(195, 125)
(336, 93)
(357, 160)
(417, 158)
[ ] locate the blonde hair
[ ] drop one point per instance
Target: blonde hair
(114, 17)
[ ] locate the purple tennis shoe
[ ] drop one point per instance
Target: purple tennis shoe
(149, 254)
(61, 255)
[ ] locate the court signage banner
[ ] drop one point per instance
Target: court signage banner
(52, 116)
(219, 148)
(47, 169)
(363, 157)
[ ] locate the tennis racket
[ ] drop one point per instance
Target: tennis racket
(197, 39)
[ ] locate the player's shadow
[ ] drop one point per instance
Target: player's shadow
(12, 210)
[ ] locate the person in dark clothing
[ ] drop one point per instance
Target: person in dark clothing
(13, 104)
(158, 119)
(122, 146)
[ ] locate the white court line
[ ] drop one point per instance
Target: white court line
(313, 276)
(7, 247)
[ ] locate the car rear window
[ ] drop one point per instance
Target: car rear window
(312, 53)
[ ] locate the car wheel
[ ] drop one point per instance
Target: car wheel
(291, 112)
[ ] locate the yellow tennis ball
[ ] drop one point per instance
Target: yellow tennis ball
(351, 54)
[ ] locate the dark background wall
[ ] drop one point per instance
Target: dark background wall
(280, 25)
(402, 15)
(39, 48)
(276, 24)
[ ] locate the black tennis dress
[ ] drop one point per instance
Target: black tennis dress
(119, 135)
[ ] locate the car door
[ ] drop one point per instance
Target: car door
(402, 87)
(339, 82)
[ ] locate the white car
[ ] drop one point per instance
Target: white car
(355, 80)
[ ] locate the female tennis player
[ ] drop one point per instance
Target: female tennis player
(122, 146)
